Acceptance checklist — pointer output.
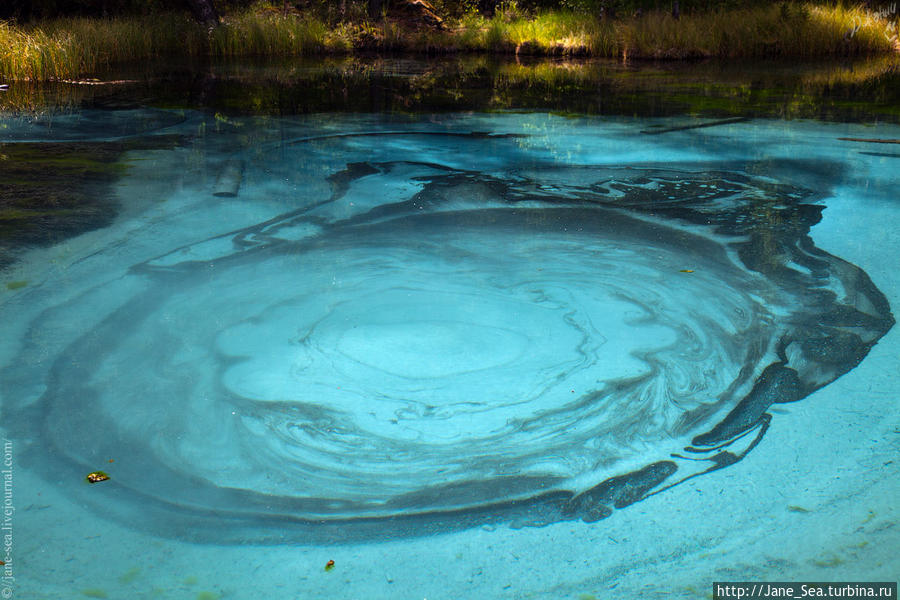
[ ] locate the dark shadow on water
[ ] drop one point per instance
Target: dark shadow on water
(57, 190)
(851, 91)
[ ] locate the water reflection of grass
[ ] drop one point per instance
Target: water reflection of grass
(859, 90)
(72, 48)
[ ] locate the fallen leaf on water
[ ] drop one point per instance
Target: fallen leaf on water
(96, 477)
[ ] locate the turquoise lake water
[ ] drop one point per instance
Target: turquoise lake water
(462, 355)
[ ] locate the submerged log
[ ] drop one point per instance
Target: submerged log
(696, 125)
(228, 183)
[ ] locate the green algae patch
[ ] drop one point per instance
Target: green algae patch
(56, 190)
(130, 575)
(829, 561)
(16, 285)
(94, 593)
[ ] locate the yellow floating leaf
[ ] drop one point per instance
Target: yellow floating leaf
(97, 477)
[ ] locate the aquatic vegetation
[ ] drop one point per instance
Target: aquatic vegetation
(130, 576)
(828, 560)
(50, 192)
(55, 191)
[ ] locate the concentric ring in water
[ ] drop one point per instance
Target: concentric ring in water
(547, 344)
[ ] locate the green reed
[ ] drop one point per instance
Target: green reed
(268, 33)
(787, 30)
(77, 48)
(72, 48)
(790, 30)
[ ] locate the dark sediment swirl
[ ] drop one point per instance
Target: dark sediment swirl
(466, 348)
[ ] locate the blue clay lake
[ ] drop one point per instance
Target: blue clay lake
(389, 328)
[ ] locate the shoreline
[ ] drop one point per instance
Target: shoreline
(77, 49)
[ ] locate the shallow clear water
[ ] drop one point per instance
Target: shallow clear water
(462, 355)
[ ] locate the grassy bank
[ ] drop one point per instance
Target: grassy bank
(79, 48)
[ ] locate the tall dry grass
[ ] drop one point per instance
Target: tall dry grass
(789, 30)
(71, 48)
(267, 33)
(786, 30)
